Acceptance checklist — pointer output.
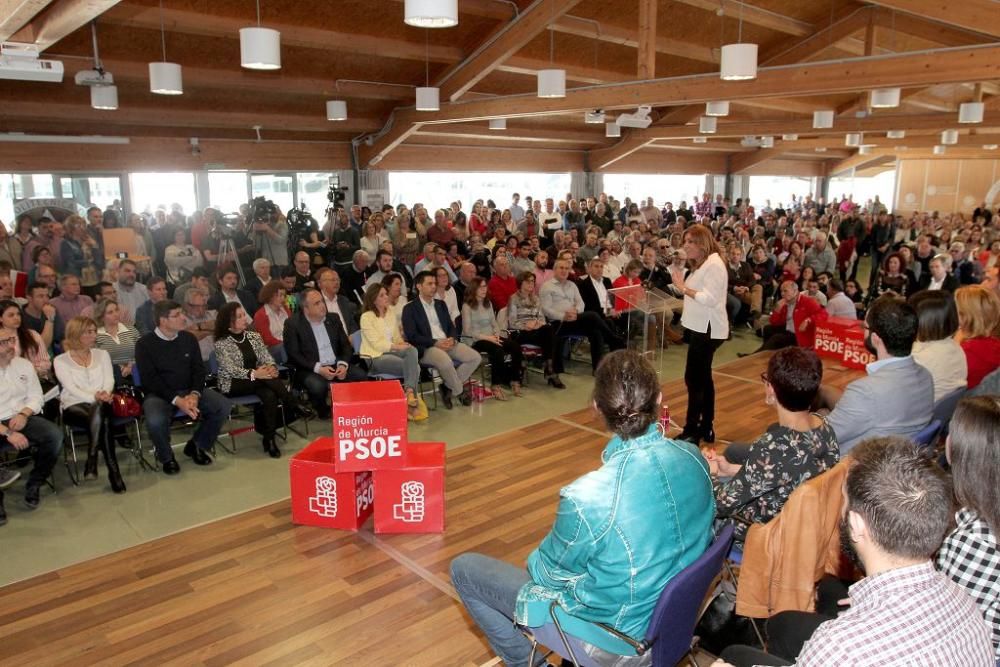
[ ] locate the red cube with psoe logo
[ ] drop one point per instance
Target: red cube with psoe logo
(323, 497)
(369, 425)
(411, 499)
(831, 336)
(856, 355)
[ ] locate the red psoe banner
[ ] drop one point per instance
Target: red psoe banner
(323, 497)
(369, 425)
(411, 499)
(831, 336)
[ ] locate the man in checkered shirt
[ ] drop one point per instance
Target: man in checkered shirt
(904, 612)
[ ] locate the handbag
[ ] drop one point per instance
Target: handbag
(124, 403)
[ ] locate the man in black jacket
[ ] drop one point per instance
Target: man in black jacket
(318, 349)
(173, 377)
(596, 298)
(228, 291)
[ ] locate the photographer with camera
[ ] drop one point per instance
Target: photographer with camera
(270, 233)
(343, 240)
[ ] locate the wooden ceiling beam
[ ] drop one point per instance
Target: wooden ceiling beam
(741, 162)
(646, 66)
(755, 16)
(193, 118)
(529, 67)
(858, 161)
(626, 36)
(506, 42)
(929, 30)
(976, 15)
(15, 14)
(56, 20)
(518, 134)
(824, 38)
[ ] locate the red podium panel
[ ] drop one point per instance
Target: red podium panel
(323, 497)
(856, 355)
(369, 425)
(831, 336)
(411, 499)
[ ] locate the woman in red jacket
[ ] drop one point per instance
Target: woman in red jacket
(978, 325)
(269, 320)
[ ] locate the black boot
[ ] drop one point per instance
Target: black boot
(3, 512)
(271, 448)
(111, 460)
(90, 467)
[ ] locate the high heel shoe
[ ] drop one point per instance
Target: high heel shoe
(554, 381)
(271, 448)
(708, 436)
(498, 393)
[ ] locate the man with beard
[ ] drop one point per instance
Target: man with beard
(897, 509)
(896, 397)
(131, 295)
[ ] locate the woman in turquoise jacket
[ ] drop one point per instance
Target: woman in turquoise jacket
(621, 532)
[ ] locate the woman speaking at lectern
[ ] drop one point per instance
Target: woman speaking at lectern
(707, 326)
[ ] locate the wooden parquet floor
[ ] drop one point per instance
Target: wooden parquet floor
(256, 590)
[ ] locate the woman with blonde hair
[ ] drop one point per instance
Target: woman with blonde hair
(79, 254)
(382, 343)
(705, 319)
(87, 379)
(978, 326)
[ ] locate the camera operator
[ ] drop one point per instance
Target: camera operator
(270, 234)
(343, 239)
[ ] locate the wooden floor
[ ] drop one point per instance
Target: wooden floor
(256, 590)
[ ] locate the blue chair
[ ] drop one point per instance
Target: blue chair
(925, 438)
(179, 415)
(670, 635)
(356, 344)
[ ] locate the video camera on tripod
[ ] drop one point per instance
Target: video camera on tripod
(336, 196)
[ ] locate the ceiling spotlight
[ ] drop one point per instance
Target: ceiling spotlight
(612, 129)
(639, 119)
(789, 137)
(700, 140)
(707, 124)
(498, 123)
(971, 112)
(939, 150)
(865, 149)
(852, 139)
(895, 134)
(336, 110)
(551, 83)
(885, 98)
(717, 108)
(595, 117)
(767, 142)
(431, 13)
(104, 97)
(949, 137)
(820, 149)
(823, 120)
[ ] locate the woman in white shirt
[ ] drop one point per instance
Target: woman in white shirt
(87, 378)
(181, 258)
(383, 345)
(705, 289)
(935, 348)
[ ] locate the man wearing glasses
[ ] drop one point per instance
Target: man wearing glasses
(173, 375)
(20, 427)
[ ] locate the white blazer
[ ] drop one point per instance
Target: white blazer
(710, 282)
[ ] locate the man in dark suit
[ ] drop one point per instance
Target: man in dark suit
(596, 299)
(228, 280)
(428, 327)
(328, 283)
(937, 275)
(318, 349)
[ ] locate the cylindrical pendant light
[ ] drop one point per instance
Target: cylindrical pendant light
(428, 98)
(708, 124)
(789, 137)
(700, 140)
(260, 48)
(885, 98)
(895, 134)
(865, 149)
(767, 142)
(498, 124)
(823, 120)
(431, 13)
(593, 117)
(939, 150)
(336, 110)
(949, 137)
(717, 108)
(971, 112)
(165, 79)
(104, 97)
(612, 129)
(852, 139)
(739, 62)
(552, 83)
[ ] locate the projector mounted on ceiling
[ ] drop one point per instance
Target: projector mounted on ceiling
(638, 119)
(20, 62)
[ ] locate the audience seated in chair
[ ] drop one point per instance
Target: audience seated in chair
(526, 324)
(117, 339)
(936, 348)
(481, 330)
(621, 532)
(801, 445)
(157, 288)
(269, 320)
(979, 325)
(793, 321)
(328, 283)
(42, 317)
(319, 349)
(897, 395)
(28, 343)
(131, 293)
(172, 375)
(70, 303)
(897, 510)
(200, 320)
(384, 347)
(87, 380)
(229, 292)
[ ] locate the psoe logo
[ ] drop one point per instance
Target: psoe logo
(411, 507)
(324, 503)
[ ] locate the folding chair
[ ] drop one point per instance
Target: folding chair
(69, 452)
(670, 635)
(178, 416)
(925, 438)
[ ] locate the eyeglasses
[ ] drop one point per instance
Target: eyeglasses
(7, 341)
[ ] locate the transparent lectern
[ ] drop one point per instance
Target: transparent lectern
(651, 310)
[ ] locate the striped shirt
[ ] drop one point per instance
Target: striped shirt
(912, 616)
(122, 351)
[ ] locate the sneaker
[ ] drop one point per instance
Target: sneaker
(8, 477)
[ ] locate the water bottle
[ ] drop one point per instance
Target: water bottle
(665, 417)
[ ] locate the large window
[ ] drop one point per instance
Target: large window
(151, 191)
(279, 188)
(778, 190)
(439, 189)
(866, 188)
(312, 189)
(662, 188)
(227, 190)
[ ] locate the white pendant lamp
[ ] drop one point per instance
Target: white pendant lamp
(165, 78)
(767, 142)
(717, 108)
(949, 137)
(498, 124)
(260, 48)
(428, 98)
(551, 83)
(885, 98)
(700, 140)
(336, 110)
(865, 149)
(895, 134)
(789, 137)
(852, 139)
(971, 112)
(708, 124)
(593, 117)
(431, 13)
(104, 98)
(823, 120)
(612, 129)
(739, 62)
(939, 150)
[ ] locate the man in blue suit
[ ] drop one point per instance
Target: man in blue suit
(428, 327)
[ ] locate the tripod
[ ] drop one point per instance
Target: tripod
(227, 251)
